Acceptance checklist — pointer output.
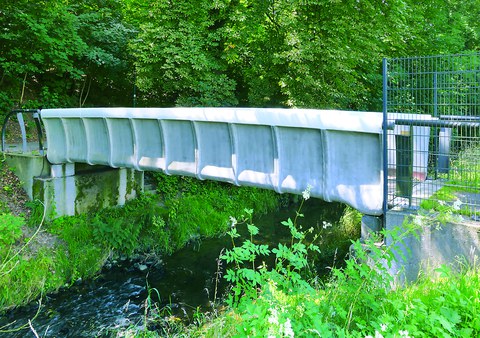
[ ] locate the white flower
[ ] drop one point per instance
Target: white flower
(306, 192)
(418, 220)
(273, 318)
(287, 329)
(326, 225)
(234, 221)
(383, 327)
(404, 334)
(457, 204)
(378, 335)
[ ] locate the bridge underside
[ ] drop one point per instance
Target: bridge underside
(336, 153)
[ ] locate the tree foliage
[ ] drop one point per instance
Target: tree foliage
(307, 53)
(50, 48)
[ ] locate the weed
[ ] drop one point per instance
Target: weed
(10, 229)
(357, 300)
(466, 168)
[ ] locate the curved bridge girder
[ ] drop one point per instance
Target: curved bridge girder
(337, 153)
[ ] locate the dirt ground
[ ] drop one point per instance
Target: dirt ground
(12, 195)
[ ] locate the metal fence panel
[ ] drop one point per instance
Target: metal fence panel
(432, 148)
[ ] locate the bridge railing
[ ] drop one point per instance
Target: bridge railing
(25, 135)
(433, 153)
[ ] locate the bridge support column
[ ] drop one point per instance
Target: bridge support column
(71, 190)
(57, 191)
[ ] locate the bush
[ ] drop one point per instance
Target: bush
(358, 300)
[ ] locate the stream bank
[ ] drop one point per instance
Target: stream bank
(40, 257)
(179, 287)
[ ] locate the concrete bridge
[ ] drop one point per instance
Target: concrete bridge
(336, 153)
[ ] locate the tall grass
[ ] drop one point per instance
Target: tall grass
(465, 170)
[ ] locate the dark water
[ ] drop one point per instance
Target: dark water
(182, 284)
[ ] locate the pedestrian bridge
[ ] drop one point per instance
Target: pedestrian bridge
(338, 154)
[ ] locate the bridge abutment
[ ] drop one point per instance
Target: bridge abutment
(72, 189)
(420, 244)
(428, 245)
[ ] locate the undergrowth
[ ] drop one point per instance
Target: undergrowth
(463, 178)
(360, 299)
(465, 171)
(202, 208)
(69, 248)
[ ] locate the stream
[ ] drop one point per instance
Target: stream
(182, 284)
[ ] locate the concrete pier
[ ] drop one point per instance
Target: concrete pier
(72, 189)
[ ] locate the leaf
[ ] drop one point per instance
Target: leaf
(252, 229)
(230, 276)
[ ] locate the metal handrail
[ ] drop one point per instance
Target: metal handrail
(36, 117)
(437, 123)
(460, 118)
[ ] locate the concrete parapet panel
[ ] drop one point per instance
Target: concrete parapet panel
(27, 167)
(436, 245)
(353, 163)
(219, 163)
(302, 160)
(338, 154)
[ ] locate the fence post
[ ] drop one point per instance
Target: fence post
(404, 170)
(385, 137)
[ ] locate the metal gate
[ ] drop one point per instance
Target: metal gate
(431, 106)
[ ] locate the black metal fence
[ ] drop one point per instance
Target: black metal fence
(432, 148)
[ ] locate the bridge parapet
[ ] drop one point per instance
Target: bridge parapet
(336, 153)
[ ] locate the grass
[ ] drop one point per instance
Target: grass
(465, 170)
(447, 306)
(357, 301)
(38, 257)
(464, 178)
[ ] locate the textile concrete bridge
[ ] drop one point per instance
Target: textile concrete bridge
(336, 154)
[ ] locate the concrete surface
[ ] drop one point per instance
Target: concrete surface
(337, 153)
(436, 245)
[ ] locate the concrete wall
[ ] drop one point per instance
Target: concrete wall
(435, 246)
(26, 167)
(87, 191)
(72, 189)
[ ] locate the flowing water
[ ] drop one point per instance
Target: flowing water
(184, 283)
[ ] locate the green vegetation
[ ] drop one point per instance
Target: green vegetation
(360, 299)
(37, 257)
(202, 208)
(315, 54)
(466, 168)
(463, 177)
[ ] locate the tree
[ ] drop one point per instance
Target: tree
(106, 64)
(178, 54)
(40, 43)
